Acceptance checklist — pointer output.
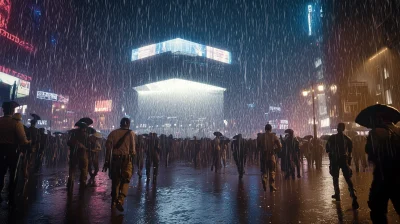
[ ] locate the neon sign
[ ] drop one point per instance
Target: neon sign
(27, 46)
(14, 73)
(5, 9)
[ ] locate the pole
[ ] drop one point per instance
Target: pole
(14, 90)
(314, 123)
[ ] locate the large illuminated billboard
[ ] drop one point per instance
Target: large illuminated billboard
(103, 106)
(182, 46)
(23, 86)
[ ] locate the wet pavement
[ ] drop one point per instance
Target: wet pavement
(187, 195)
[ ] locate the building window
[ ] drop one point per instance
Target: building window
(388, 94)
(385, 73)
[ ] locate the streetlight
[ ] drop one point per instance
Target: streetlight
(320, 88)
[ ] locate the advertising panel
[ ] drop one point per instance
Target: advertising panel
(22, 85)
(184, 47)
(63, 99)
(103, 106)
(46, 96)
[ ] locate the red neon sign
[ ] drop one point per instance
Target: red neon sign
(5, 9)
(27, 46)
(14, 73)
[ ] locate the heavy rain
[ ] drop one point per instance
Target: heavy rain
(199, 111)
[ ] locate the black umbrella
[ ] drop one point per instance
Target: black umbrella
(373, 115)
(288, 131)
(308, 137)
(36, 117)
(10, 104)
(325, 137)
(81, 124)
(218, 134)
(86, 120)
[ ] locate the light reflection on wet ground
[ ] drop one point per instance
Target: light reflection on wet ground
(187, 195)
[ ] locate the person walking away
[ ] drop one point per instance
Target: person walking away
(152, 157)
(216, 161)
(383, 150)
(95, 149)
(42, 149)
(121, 148)
(292, 155)
(339, 147)
(268, 144)
(168, 149)
(140, 152)
(33, 135)
(79, 146)
(318, 154)
(239, 154)
(12, 134)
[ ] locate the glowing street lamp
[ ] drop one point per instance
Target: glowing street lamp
(305, 93)
(321, 88)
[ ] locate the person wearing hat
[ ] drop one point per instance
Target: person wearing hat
(292, 152)
(79, 147)
(340, 147)
(12, 134)
(95, 149)
(268, 144)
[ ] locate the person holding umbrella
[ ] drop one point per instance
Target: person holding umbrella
(239, 153)
(340, 147)
(383, 149)
(292, 150)
(268, 144)
(12, 134)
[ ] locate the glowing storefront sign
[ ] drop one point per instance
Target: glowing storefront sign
(181, 46)
(103, 106)
(23, 86)
(14, 73)
(46, 96)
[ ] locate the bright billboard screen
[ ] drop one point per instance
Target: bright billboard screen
(183, 47)
(103, 106)
(23, 86)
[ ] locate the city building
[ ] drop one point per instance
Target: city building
(177, 83)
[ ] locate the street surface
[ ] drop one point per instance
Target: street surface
(187, 195)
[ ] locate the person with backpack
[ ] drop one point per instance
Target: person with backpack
(121, 148)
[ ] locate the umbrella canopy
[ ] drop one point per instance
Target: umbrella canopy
(218, 134)
(308, 137)
(86, 120)
(81, 124)
(288, 131)
(325, 137)
(373, 115)
(36, 117)
(10, 104)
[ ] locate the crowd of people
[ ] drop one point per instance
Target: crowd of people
(27, 149)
